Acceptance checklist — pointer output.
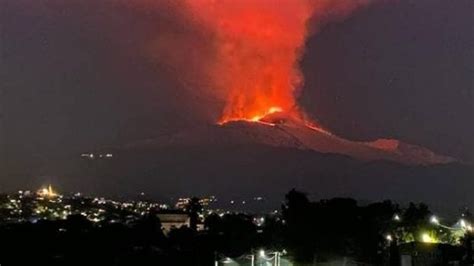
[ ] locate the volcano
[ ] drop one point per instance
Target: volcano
(254, 70)
(280, 129)
(270, 155)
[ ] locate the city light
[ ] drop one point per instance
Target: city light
(47, 204)
(47, 192)
(259, 221)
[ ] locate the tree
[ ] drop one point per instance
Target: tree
(194, 208)
(299, 220)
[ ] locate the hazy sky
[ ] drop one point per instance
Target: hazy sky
(76, 75)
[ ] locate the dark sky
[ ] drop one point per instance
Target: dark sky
(77, 75)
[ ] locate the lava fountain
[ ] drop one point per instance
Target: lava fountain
(258, 47)
(258, 44)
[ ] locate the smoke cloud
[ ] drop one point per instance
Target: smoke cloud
(242, 53)
(252, 51)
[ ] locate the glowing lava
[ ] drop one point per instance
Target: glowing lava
(255, 118)
(257, 45)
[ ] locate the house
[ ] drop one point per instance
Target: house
(171, 219)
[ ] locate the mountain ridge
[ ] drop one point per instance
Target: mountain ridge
(282, 130)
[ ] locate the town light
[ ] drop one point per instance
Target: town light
(262, 253)
(47, 192)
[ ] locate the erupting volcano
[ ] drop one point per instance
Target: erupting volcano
(253, 67)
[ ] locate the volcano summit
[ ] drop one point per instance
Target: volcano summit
(286, 130)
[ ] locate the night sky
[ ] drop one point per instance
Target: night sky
(80, 75)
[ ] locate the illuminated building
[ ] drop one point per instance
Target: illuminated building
(47, 192)
(183, 203)
(173, 219)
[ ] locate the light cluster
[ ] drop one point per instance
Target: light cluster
(46, 204)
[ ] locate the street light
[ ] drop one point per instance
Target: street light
(434, 220)
(252, 260)
(396, 217)
(227, 260)
(461, 225)
(276, 256)
(465, 225)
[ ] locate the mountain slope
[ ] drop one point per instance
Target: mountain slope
(282, 130)
(270, 157)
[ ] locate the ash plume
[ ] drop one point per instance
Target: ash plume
(246, 53)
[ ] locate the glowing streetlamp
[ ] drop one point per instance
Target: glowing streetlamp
(434, 220)
(465, 225)
(227, 260)
(461, 225)
(252, 260)
(276, 256)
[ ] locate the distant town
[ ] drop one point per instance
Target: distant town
(48, 204)
(300, 233)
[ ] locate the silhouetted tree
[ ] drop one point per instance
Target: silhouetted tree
(148, 229)
(299, 221)
(194, 208)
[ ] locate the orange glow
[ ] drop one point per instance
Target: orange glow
(47, 192)
(313, 126)
(272, 110)
(257, 45)
(256, 118)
